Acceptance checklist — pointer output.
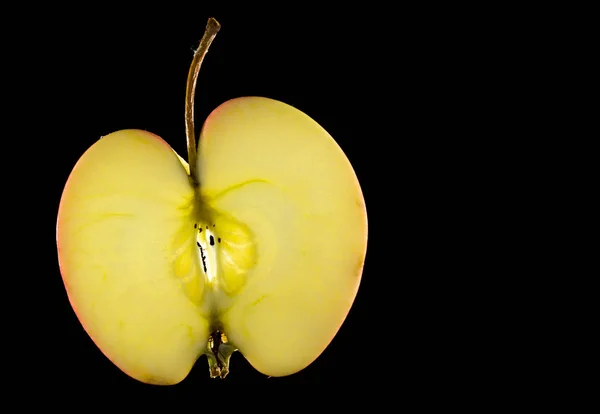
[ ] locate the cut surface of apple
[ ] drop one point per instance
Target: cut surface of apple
(128, 256)
(271, 167)
(268, 248)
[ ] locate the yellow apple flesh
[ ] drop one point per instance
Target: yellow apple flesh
(277, 171)
(285, 214)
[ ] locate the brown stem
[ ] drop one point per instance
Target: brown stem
(212, 28)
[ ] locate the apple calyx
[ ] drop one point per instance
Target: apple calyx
(219, 352)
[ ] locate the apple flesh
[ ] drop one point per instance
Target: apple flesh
(267, 249)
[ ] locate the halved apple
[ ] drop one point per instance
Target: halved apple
(261, 251)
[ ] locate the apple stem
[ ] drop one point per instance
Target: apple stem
(212, 28)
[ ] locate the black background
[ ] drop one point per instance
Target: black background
(421, 98)
(105, 70)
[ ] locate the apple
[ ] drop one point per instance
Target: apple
(256, 245)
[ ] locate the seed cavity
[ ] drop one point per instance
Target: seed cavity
(207, 254)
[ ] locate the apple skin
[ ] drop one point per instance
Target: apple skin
(279, 195)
